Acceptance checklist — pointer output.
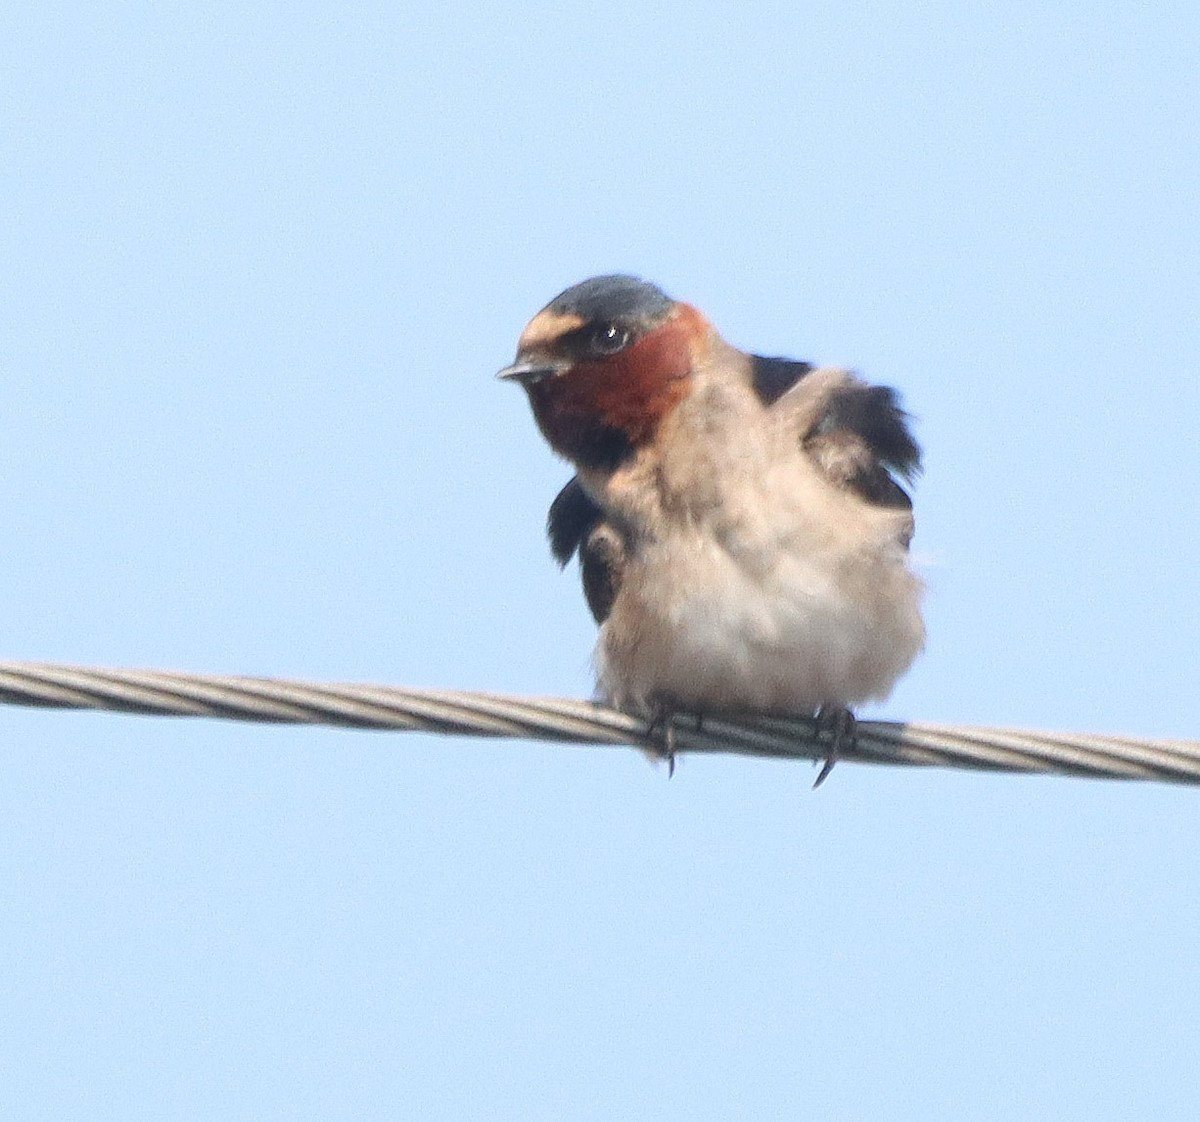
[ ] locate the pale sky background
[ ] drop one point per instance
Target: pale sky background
(260, 264)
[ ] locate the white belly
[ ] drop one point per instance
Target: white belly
(789, 624)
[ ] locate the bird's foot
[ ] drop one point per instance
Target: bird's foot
(660, 731)
(839, 722)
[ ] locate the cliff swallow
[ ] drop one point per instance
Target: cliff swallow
(740, 521)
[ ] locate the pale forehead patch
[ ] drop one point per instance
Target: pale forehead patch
(547, 327)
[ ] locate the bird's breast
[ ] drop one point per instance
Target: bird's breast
(777, 595)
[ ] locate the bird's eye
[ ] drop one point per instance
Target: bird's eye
(607, 339)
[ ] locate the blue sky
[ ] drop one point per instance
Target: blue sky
(261, 264)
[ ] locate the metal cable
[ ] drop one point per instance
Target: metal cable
(167, 693)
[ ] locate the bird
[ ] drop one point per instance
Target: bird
(741, 521)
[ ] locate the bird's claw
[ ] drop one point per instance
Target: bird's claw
(839, 722)
(660, 732)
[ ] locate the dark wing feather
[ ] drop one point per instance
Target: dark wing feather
(601, 564)
(773, 377)
(862, 441)
(576, 524)
(846, 460)
(572, 515)
(873, 414)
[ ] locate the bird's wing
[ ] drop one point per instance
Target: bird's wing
(576, 524)
(572, 515)
(773, 377)
(856, 434)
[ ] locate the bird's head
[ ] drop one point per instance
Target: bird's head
(604, 362)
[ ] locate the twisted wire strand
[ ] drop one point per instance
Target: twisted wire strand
(278, 700)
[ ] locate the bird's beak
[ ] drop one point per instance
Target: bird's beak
(528, 372)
